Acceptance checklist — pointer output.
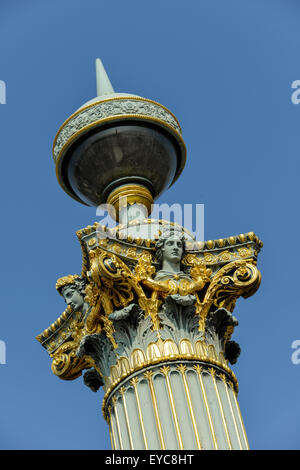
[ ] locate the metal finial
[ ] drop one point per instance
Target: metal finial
(104, 87)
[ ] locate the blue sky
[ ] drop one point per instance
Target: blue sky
(225, 69)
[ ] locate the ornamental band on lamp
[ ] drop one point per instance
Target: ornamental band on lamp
(148, 319)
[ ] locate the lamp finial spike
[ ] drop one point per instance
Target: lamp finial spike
(104, 87)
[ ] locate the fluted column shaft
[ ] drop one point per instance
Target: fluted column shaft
(176, 405)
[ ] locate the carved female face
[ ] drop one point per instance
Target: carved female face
(172, 250)
(73, 297)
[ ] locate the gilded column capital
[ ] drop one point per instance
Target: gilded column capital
(142, 302)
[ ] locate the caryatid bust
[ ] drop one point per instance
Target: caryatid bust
(72, 289)
(170, 249)
(172, 278)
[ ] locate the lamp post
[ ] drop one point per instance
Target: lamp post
(150, 317)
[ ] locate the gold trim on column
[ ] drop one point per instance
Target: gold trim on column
(114, 435)
(114, 400)
(182, 368)
(111, 432)
(223, 378)
(165, 359)
(213, 372)
(129, 194)
(134, 383)
(165, 371)
(122, 392)
(240, 417)
(199, 369)
(110, 437)
(148, 375)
